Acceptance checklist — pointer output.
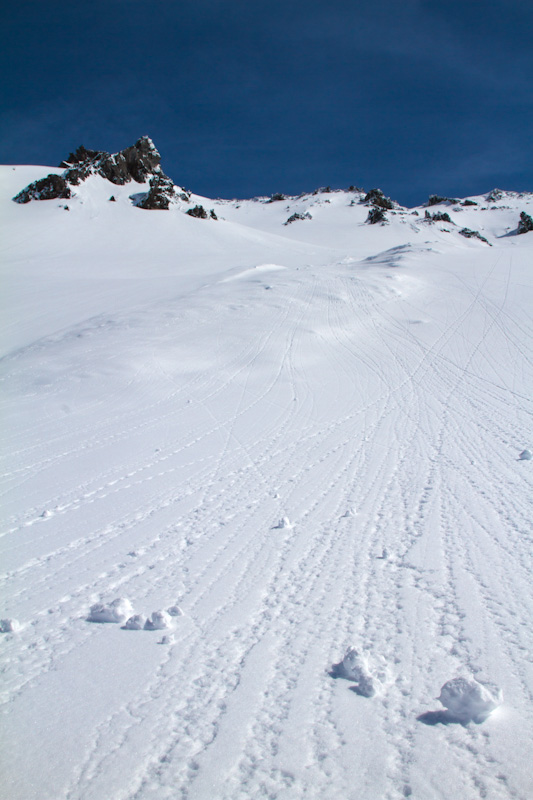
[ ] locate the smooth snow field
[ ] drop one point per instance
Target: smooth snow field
(266, 514)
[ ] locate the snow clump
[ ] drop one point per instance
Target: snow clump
(354, 668)
(284, 523)
(467, 700)
(159, 621)
(117, 611)
(175, 611)
(525, 455)
(135, 623)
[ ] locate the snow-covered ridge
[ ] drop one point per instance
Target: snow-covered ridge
(142, 163)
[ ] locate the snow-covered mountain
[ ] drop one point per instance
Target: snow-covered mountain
(267, 490)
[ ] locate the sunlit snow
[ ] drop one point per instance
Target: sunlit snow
(298, 456)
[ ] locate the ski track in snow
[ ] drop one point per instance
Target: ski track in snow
(343, 387)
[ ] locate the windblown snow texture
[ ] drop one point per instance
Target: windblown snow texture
(266, 497)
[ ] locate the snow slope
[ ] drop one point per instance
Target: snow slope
(291, 440)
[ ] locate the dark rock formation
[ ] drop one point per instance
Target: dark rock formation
(377, 198)
(160, 194)
(436, 199)
(138, 163)
(468, 234)
(494, 196)
(277, 197)
(526, 223)
(49, 188)
(438, 216)
(294, 217)
(376, 215)
(469, 203)
(197, 211)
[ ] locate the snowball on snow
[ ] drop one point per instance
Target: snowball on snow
(135, 623)
(158, 621)
(9, 625)
(467, 699)
(175, 611)
(354, 668)
(117, 611)
(284, 523)
(525, 455)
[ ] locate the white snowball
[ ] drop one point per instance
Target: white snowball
(159, 621)
(117, 611)
(175, 611)
(467, 699)
(525, 455)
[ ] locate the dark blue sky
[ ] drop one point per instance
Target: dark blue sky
(248, 98)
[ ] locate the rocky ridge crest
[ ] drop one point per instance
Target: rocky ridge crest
(138, 163)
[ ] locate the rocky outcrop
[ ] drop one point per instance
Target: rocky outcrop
(295, 217)
(136, 163)
(469, 234)
(437, 199)
(438, 216)
(49, 188)
(161, 193)
(376, 215)
(377, 198)
(526, 223)
(200, 213)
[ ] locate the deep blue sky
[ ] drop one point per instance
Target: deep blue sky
(250, 97)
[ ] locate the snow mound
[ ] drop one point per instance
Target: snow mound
(117, 611)
(525, 455)
(135, 623)
(467, 700)
(175, 611)
(9, 625)
(159, 621)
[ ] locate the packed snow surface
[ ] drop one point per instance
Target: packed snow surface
(172, 388)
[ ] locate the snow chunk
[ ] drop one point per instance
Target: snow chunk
(9, 625)
(135, 623)
(284, 523)
(467, 700)
(175, 611)
(525, 455)
(117, 611)
(354, 667)
(159, 621)
(350, 512)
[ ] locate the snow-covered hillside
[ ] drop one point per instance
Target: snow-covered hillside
(266, 497)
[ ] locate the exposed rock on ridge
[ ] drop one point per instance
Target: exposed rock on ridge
(137, 163)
